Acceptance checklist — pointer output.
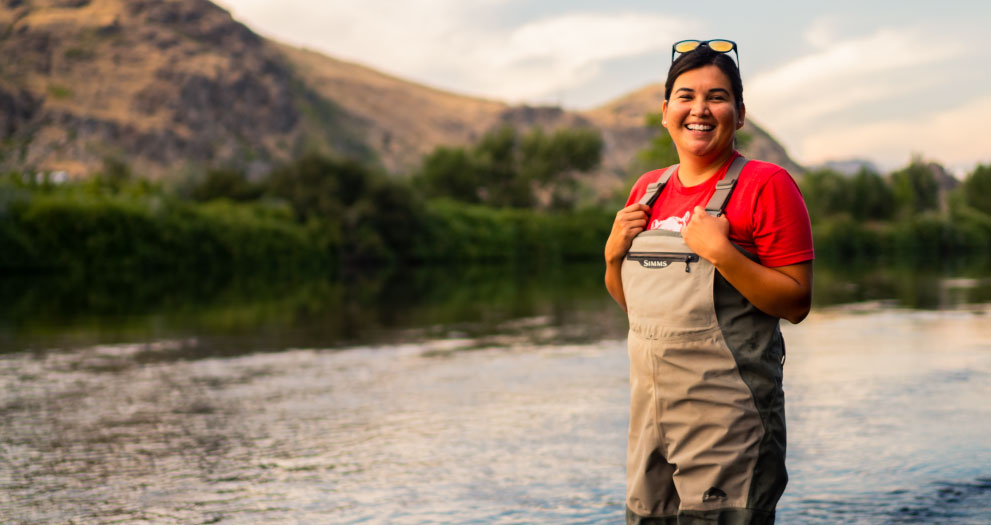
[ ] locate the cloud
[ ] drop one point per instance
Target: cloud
(956, 136)
(457, 46)
(394, 35)
(823, 31)
(848, 78)
(563, 52)
(855, 60)
(845, 74)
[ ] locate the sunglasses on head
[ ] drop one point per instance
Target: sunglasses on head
(717, 45)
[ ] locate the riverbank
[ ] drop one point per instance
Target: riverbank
(76, 229)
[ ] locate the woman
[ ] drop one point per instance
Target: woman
(705, 258)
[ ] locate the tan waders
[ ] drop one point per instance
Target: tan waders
(707, 428)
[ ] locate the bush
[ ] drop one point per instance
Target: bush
(462, 232)
(915, 189)
(843, 238)
(79, 232)
(977, 189)
(509, 170)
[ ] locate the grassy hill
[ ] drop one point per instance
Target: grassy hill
(176, 85)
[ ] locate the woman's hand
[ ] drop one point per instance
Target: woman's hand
(707, 236)
(784, 291)
(630, 221)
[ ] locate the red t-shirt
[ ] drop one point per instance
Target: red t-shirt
(766, 212)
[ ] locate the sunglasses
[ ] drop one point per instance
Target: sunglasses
(718, 45)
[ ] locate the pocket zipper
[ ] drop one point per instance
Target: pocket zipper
(662, 259)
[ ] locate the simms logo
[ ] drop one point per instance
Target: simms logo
(654, 263)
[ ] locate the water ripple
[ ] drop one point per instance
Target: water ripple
(887, 418)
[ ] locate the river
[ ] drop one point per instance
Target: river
(482, 395)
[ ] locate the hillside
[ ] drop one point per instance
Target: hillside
(400, 120)
(160, 84)
(172, 85)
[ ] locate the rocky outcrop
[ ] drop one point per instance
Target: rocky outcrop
(17, 108)
(161, 83)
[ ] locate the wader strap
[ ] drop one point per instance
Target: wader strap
(654, 188)
(724, 187)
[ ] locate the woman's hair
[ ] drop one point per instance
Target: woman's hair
(700, 57)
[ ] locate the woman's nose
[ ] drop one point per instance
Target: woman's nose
(699, 107)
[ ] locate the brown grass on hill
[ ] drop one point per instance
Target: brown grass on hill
(165, 84)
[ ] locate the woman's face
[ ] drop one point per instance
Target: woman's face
(701, 115)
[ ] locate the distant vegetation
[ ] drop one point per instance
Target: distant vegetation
(511, 197)
(314, 214)
(906, 214)
(114, 223)
(507, 170)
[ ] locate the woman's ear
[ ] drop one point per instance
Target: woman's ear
(664, 113)
(743, 114)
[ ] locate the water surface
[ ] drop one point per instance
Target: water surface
(503, 400)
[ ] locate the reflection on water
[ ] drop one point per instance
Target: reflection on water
(941, 284)
(500, 399)
(238, 315)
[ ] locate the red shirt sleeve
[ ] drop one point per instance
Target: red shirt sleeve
(782, 231)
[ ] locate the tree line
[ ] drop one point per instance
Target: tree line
(907, 213)
(512, 196)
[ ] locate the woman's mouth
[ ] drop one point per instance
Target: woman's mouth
(700, 127)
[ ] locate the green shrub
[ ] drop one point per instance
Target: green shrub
(108, 233)
(977, 188)
(456, 231)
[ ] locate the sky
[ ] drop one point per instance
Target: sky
(878, 81)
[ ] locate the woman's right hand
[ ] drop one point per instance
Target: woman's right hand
(630, 221)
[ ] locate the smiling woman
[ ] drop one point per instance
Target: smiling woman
(707, 435)
(702, 119)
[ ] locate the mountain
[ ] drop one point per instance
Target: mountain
(398, 119)
(158, 83)
(173, 85)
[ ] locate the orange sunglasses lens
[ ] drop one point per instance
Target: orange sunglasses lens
(684, 47)
(723, 46)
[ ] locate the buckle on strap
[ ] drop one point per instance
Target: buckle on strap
(654, 188)
(724, 187)
(653, 191)
(718, 201)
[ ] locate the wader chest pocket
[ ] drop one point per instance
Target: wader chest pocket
(663, 259)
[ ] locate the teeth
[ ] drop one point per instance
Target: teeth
(700, 127)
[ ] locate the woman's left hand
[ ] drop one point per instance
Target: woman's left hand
(784, 291)
(706, 235)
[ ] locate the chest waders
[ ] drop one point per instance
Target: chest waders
(707, 419)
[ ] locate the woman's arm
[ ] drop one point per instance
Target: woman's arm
(630, 221)
(784, 292)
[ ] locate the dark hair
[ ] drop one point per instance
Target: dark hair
(700, 57)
